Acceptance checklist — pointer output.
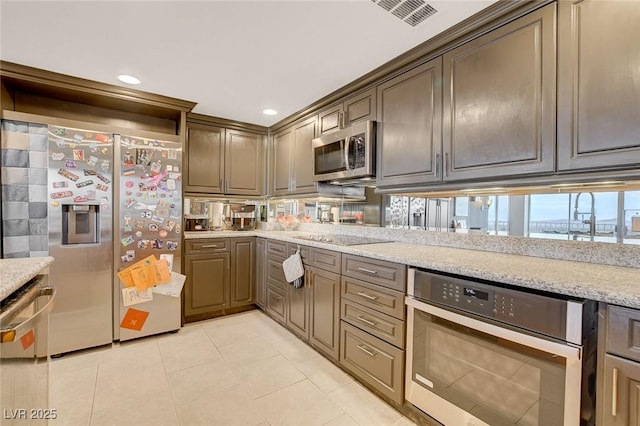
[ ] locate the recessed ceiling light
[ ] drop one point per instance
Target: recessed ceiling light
(269, 111)
(129, 79)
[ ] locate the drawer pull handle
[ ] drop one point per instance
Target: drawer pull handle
(368, 296)
(614, 393)
(368, 271)
(366, 321)
(209, 246)
(366, 350)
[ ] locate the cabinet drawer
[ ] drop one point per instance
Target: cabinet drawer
(304, 252)
(387, 274)
(623, 332)
(375, 362)
(325, 259)
(275, 273)
(277, 248)
(209, 245)
(381, 299)
(385, 327)
(277, 303)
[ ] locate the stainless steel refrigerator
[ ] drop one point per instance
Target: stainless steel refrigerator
(80, 202)
(148, 222)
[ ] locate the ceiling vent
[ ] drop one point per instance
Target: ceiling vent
(413, 12)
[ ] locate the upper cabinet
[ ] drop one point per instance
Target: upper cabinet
(223, 161)
(499, 101)
(356, 108)
(598, 84)
(292, 159)
(409, 140)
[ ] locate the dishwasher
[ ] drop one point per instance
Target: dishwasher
(485, 353)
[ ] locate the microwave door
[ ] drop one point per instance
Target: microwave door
(347, 141)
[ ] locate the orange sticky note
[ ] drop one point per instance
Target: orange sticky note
(163, 275)
(127, 274)
(134, 319)
(27, 339)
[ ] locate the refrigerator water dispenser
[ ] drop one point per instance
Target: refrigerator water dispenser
(80, 224)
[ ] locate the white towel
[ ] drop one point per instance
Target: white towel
(293, 268)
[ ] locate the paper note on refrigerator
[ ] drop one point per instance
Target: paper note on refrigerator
(173, 288)
(131, 296)
(146, 273)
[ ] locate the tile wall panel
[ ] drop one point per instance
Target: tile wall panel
(25, 229)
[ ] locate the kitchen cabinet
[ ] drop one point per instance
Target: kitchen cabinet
(356, 108)
(598, 86)
(208, 282)
(243, 260)
(409, 139)
(223, 161)
(277, 296)
(261, 280)
(499, 101)
(372, 326)
(619, 402)
(324, 312)
(292, 159)
(220, 276)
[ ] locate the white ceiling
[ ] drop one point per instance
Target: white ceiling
(234, 58)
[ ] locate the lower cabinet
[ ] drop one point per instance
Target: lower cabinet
(324, 312)
(220, 276)
(277, 302)
(375, 362)
(208, 281)
(261, 279)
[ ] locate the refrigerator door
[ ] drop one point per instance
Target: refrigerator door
(149, 222)
(80, 195)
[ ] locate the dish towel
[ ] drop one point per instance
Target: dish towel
(293, 270)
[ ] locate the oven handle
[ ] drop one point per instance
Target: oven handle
(566, 350)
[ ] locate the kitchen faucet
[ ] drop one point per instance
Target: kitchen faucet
(592, 215)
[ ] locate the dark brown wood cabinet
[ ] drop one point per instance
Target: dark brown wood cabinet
(409, 138)
(598, 84)
(204, 159)
(324, 311)
(220, 276)
(223, 161)
(499, 101)
(261, 280)
(208, 282)
(292, 159)
(355, 108)
(243, 261)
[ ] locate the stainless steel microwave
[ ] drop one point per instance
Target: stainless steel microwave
(345, 154)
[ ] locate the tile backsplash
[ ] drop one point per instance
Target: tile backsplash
(25, 228)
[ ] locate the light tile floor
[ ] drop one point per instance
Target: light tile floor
(242, 369)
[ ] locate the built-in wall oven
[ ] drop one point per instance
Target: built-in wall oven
(480, 353)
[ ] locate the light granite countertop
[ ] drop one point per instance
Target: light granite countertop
(612, 284)
(14, 273)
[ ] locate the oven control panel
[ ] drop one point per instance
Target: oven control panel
(532, 311)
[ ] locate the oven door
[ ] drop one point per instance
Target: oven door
(329, 156)
(463, 371)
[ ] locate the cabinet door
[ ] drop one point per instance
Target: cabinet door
(243, 256)
(303, 134)
(298, 313)
(409, 121)
(261, 280)
(330, 119)
(204, 159)
(281, 162)
(621, 392)
(324, 332)
(360, 107)
(598, 84)
(499, 101)
(207, 286)
(243, 163)
(277, 303)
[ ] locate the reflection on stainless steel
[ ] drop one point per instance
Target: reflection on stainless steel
(342, 240)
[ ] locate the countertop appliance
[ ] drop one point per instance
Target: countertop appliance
(243, 218)
(24, 353)
(148, 221)
(345, 154)
(196, 224)
(80, 194)
(480, 353)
